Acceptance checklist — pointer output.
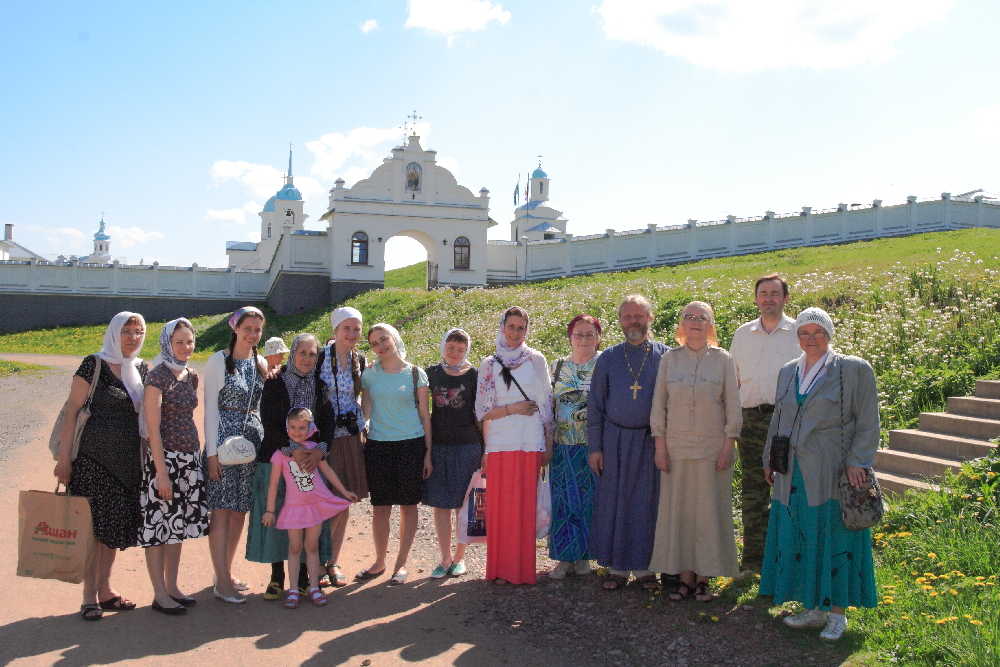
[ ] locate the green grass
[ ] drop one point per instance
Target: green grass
(414, 275)
(11, 367)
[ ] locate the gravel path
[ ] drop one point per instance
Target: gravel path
(28, 400)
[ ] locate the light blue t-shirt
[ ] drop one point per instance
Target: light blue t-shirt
(393, 415)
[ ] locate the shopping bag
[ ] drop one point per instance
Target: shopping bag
(55, 536)
(543, 506)
(472, 519)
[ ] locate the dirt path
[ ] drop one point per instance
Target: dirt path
(450, 622)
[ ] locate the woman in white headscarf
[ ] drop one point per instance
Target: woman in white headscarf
(398, 453)
(107, 470)
(173, 488)
(515, 398)
(458, 444)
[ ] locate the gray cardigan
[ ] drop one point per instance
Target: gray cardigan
(816, 435)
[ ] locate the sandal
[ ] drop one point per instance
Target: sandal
(365, 575)
(616, 581)
(317, 597)
(701, 589)
(91, 612)
(687, 593)
(339, 578)
(291, 599)
(399, 578)
(273, 591)
(117, 603)
(650, 582)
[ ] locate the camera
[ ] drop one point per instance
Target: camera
(778, 455)
(348, 420)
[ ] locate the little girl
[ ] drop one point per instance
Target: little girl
(308, 503)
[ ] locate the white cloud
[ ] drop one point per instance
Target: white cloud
(987, 127)
(233, 216)
(254, 236)
(449, 163)
(127, 237)
(369, 25)
(363, 147)
(260, 180)
(743, 36)
(451, 17)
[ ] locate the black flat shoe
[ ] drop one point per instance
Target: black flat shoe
(187, 600)
(365, 575)
(169, 611)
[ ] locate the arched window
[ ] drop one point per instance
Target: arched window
(461, 253)
(359, 248)
(269, 230)
(541, 187)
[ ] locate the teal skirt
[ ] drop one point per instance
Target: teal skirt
(812, 558)
(270, 545)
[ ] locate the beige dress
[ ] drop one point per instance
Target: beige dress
(696, 406)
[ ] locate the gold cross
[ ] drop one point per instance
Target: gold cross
(635, 389)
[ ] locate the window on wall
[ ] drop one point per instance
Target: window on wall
(268, 231)
(462, 253)
(359, 248)
(541, 187)
(548, 237)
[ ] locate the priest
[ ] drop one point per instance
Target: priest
(622, 449)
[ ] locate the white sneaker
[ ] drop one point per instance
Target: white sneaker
(810, 618)
(582, 568)
(834, 629)
(561, 570)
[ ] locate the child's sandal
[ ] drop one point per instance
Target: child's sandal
(291, 599)
(317, 597)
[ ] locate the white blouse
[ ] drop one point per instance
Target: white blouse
(517, 433)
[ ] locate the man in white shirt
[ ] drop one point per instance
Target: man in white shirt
(760, 348)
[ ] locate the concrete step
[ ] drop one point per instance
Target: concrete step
(962, 426)
(909, 464)
(987, 389)
(897, 485)
(939, 445)
(970, 406)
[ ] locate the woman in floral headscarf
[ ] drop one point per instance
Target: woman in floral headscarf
(173, 493)
(514, 396)
(107, 469)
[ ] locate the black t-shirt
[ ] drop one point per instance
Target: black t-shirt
(453, 401)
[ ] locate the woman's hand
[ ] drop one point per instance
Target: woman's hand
(63, 471)
(482, 464)
(350, 495)
(660, 457)
(596, 461)
(428, 468)
(164, 487)
(769, 476)
(526, 408)
(727, 455)
(857, 476)
(307, 459)
(267, 519)
(214, 468)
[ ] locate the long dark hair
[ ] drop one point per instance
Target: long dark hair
(230, 362)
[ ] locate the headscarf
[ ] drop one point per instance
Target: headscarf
(313, 429)
(712, 335)
(813, 316)
(507, 355)
(235, 319)
(464, 363)
(816, 316)
(301, 386)
(166, 355)
(111, 352)
(400, 348)
(340, 314)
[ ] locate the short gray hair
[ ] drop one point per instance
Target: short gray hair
(636, 299)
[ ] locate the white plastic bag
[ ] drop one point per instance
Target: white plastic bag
(543, 506)
(473, 511)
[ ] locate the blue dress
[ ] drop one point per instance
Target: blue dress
(235, 491)
(811, 557)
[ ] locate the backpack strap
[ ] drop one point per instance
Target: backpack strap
(555, 376)
(416, 379)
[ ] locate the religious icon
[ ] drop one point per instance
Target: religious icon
(413, 173)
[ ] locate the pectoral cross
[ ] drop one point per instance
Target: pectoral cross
(635, 389)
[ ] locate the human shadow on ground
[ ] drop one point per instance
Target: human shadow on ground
(423, 618)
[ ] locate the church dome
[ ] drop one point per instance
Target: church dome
(289, 192)
(100, 235)
(269, 205)
(538, 173)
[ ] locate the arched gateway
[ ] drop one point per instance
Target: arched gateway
(407, 195)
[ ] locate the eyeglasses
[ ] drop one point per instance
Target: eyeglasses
(696, 318)
(587, 337)
(138, 333)
(819, 335)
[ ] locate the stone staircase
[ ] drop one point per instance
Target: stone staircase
(916, 457)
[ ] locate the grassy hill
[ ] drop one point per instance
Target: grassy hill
(414, 275)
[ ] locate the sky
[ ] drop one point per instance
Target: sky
(174, 119)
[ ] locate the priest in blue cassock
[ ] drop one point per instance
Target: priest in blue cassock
(622, 449)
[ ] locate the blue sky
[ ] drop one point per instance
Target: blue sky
(174, 118)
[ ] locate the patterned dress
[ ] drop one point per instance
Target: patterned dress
(235, 492)
(107, 469)
(185, 515)
(570, 477)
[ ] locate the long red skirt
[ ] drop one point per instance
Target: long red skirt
(511, 493)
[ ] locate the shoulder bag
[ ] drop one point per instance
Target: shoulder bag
(862, 507)
(81, 418)
(236, 449)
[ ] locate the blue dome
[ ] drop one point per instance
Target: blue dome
(100, 235)
(538, 173)
(289, 192)
(269, 205)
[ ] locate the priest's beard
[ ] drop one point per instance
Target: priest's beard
(636, 333)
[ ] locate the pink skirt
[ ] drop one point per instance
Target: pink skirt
(511, 494)
(313, 514)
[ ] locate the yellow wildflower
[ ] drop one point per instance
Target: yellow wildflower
(928, 588)
(953, 591)
(914, 573)
(980, 578)
(921, 580)
(975, 622)
(934, 594)
(879, 536)
(715, 618)
(932, 555)
(966, 496)
(968, 616)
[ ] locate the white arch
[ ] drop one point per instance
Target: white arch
(430, 246)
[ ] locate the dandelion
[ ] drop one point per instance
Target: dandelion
(953, 591)
(932, 555)
(975, 622)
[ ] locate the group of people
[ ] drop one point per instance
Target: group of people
(639, 441)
